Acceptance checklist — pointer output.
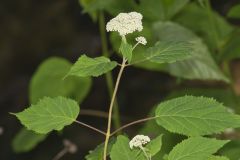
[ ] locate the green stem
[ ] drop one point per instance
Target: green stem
(108, 76)
(108, 133)
(133, 123)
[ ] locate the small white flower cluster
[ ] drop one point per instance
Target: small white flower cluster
(71, 147)
(139, 141)
(141, 40)
(125, 23)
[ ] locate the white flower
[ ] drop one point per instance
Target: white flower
(141, 40)
(125, 23)
(139, 141)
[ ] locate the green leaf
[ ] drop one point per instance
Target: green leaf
(91, 6)
(194, 116)
(52, 71)
(120, 6)
(214, 31)
(126, 50)
(218, 158)
(168, 52)
(97, 153)
(114, 7)
(172, 7)
(201, 65)
(25, 140)
(234, 12)
(223, 95)
(231, 49)
(86, 66)
(197, 148)
(231, 150)
(121, 149)
(49, 114)
(160, 10)
(152, 9)
(153, 129)
(155, 145)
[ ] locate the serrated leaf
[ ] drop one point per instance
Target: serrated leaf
(223, 95)
(155, 145)
(52, 71)
(25, 140)
(218, 158)
(197, 148)
(194, 116)
(214, 31)
(126, 50)
(97, 153)
(234, 12)
(86, 66)
(152, 128)
(168, 52)
(201, 65)
(121, 149)
(49, 114)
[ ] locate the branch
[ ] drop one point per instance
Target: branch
(111, 109)
(91, 127)
(132, 123)
(61, 154)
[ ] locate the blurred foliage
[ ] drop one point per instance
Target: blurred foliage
(234, 12)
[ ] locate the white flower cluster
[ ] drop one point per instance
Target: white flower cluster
(141, 40)
(139, 141)
(71, 147)
(125, 23)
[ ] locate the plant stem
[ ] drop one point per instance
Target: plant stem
(111, 108)
(145, 153)
(132, 123)
(108, 76)
(135, 45)
(61, 154)
(91, 127)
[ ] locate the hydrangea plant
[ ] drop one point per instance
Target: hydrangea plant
(195, 117)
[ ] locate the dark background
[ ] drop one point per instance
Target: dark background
(30, 32)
